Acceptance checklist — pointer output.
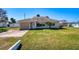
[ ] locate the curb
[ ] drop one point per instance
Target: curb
(15, 46)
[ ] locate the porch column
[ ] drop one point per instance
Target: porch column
(35, 24)
(29, 26)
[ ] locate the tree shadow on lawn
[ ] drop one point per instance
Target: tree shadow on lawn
(49, 28)
(58, 28)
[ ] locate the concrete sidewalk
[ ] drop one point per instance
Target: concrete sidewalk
(15, 33)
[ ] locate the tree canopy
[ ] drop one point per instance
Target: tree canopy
(38, 15)
(49, 23)
(13, 20)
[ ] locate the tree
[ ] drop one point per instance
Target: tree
(49, 23)
(38, 15)
(38, 24)
(13, 20)
(47, 16)
(3, 17)
(3, 13)
(6, 18)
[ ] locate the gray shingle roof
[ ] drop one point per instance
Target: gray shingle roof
(39, 19)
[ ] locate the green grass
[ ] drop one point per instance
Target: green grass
(3, 29)
(46, 39)
(15, 28)
(6, 43)
(49, 39)
(6, 29)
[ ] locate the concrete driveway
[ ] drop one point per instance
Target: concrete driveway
(13, 33)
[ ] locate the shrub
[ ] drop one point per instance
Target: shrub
(3, 29)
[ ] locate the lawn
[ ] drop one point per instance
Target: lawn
(6, 43)
(3, 29)
(49, 39)
(15, 28)
(6, 29)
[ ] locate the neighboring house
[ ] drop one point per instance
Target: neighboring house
(14, 25)
(63, 22)
(74, 24)
(37, 22)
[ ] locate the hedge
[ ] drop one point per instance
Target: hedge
(3, 29)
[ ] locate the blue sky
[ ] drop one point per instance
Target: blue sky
(69, 14)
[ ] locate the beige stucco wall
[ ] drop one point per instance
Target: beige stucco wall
(24, 25)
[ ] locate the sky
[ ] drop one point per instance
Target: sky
(69, 14)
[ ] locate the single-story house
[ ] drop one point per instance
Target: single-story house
(37, 22)
(75, 24)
